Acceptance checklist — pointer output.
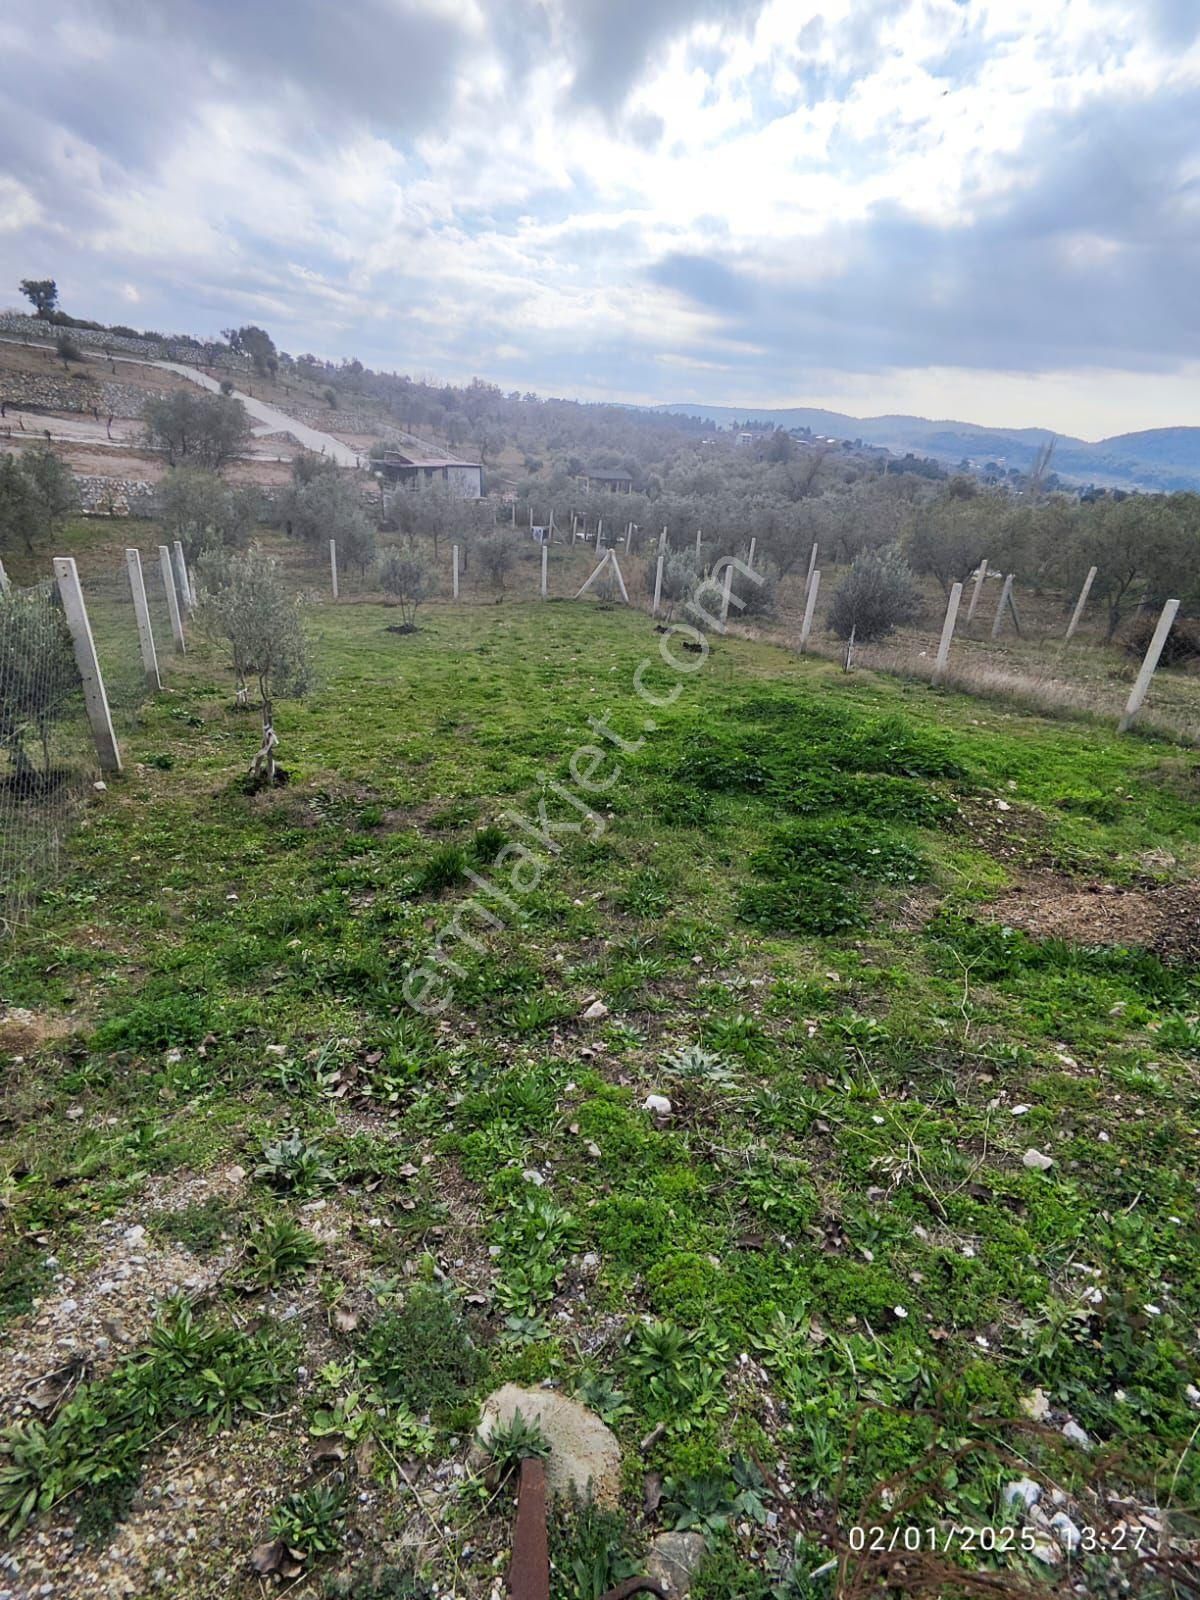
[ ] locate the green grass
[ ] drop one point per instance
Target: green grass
(783, 914)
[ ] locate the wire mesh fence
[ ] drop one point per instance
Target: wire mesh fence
(48, 754)
(47, 758)
(108, 594)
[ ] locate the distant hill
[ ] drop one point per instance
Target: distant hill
(1159, 458)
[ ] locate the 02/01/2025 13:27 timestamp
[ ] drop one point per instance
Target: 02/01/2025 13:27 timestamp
(873, 1539)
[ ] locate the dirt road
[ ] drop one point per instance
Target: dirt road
(276, 421)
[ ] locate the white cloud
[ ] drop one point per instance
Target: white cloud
(521, 216)
(18, 208)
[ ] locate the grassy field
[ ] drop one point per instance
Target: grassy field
(828, 1286)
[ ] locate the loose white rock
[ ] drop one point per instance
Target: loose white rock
(595, 1011)
(1072, 1431)
(1065, 1531)
(1036, 1161)
(657, 1104)
(1047, 1552)
(1035, 1406)
(1024, 1491)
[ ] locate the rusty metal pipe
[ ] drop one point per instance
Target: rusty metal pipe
(529, 1569)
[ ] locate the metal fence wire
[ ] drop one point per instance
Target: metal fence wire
(46, 755)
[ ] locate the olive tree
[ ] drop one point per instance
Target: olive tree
(42, 294)
(329, 506)
(200, 510)
(203, 430)
(877, 595)
(36, 492)
(38, 677)
(244, 605)
(496, 555)
(402, 574)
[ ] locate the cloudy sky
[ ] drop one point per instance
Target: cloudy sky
(982, 209)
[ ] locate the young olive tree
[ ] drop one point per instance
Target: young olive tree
(244, 605)
(38, 676)
(877, 595)
(402, 574)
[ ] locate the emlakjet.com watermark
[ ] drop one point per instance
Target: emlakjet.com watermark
(595, 768)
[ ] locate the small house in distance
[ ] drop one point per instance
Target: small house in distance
(614, 482)
(465, 478)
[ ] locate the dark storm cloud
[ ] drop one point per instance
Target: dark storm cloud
(615, 43)
(1092, 263)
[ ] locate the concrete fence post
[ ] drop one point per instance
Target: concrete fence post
(726, 592)
(810, 606)
(1138, 693)
(980, 575)
(5, 585)
(181, 572)
(629, 538)
(662, 541)
(943, 655)
(657, 585)
(698, 533)
(812, 563)
(333, 572)
(599, 534)
(750, 557)
(168, 577)
(455, 554)
(137, 585)
(94, 697)
(1077, 614)
(545, 558)
(1005, 597)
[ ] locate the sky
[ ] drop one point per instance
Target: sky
(980, 209)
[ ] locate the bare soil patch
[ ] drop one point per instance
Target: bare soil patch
(22, 1031)
(1163, 918)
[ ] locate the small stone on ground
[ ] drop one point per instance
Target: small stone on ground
(582, 1450)
(673, 1560)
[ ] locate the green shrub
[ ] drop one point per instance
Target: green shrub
(876, 596)
(422, 1355)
